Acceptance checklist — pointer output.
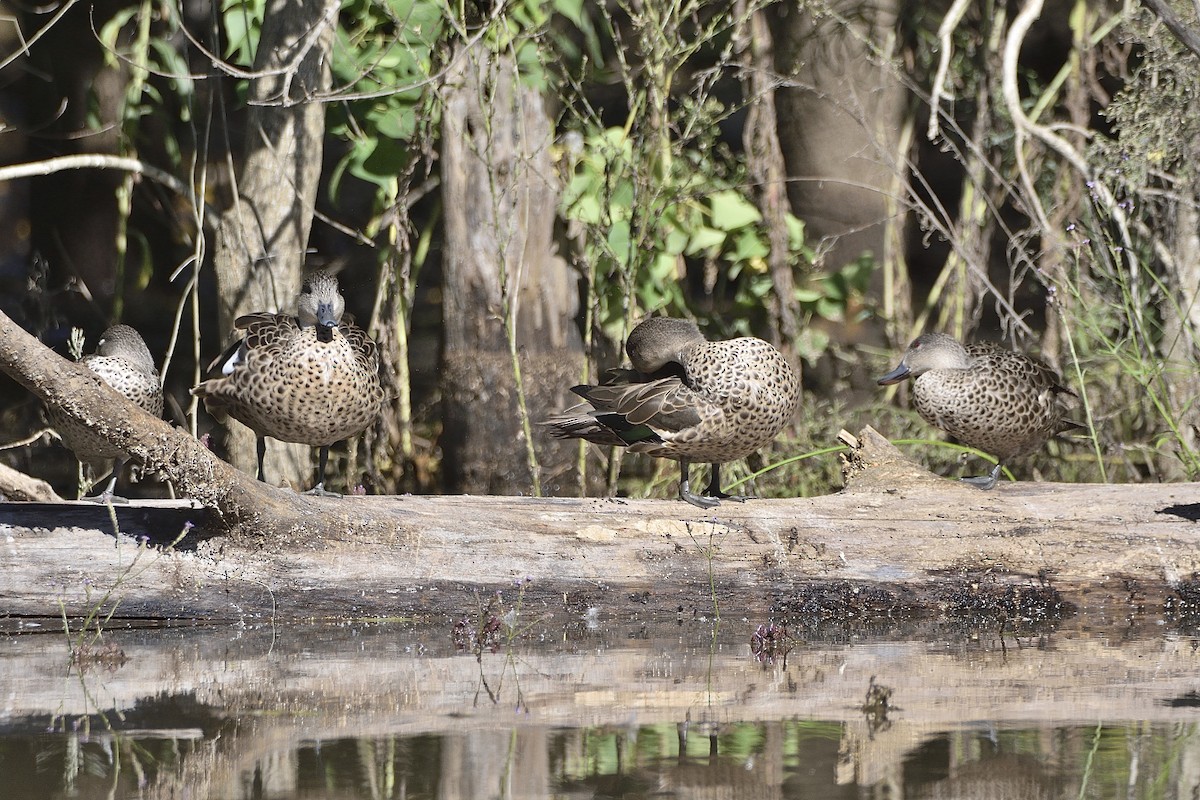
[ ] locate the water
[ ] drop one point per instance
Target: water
(527, 708)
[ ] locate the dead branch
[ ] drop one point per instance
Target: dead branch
(244, 505)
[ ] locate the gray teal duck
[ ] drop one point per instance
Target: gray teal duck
(687, 399)
(996, 400)
(123, 361)
(312, 378)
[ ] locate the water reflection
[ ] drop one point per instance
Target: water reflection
(390, 711)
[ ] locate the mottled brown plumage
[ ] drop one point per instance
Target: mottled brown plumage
(687, 399)
(312, 378)
(123, 361)
(999, 401)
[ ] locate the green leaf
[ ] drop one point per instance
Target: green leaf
(731, 211)
(749, 245)
(676, 240)
(705, 239)
(795, 229)
(618, 241)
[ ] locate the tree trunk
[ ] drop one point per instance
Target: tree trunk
(840, 125)
(262, 237)
(506, 291)
(768, 173)
(244, 504)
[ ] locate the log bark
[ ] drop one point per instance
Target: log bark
(262, 238)
(16, 485)
(500, 200)
(244, 505)
(897, 543)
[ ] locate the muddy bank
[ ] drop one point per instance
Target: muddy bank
(897, 542)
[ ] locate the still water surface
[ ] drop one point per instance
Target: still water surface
(597, 710)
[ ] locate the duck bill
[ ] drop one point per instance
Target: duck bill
(325, 332)
(895, 376)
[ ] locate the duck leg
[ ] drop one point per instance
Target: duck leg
(685, 491)
(985, 482)
(714, 488)
(261, 445)
(107, 495)
(319, 489)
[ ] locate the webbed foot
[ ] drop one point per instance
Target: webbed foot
(985, 482)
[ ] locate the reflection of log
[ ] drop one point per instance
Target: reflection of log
(291, 687)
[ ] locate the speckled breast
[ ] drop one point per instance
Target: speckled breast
(313, 392)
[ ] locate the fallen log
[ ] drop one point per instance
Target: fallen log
(241, 504)
(897, 542)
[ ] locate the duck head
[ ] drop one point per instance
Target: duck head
(928, 351)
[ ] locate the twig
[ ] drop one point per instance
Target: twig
(945, 32)
(101, 161)
(1186, 36)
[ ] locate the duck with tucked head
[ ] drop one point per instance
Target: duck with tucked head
(123, 361)
(996, 400)
(687, 399)
(312, 378)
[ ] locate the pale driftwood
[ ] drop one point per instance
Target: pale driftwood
(15, 485)
(922, 541)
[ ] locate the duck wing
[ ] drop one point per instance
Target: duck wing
(627, 409)
(1036, 372)
(666, 405)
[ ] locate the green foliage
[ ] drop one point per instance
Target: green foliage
(641, 230)
(242, 22)
(384, 54)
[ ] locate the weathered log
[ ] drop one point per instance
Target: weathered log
(897, 542)
(243, 505)
(15, 485)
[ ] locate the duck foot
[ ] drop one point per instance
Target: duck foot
(107, 497)
(687, 495)
(698, 500)
(985, 482)
(320, 491)
(714, 488)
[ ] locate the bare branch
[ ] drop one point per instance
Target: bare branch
(945, 43)
(102, 161)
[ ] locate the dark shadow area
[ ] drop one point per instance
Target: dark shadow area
(1190, 511)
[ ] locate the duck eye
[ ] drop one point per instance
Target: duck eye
(306, 288)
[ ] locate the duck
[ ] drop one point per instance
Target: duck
(312, 378)
(999, 401)
(123, 361)
(688, 399)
